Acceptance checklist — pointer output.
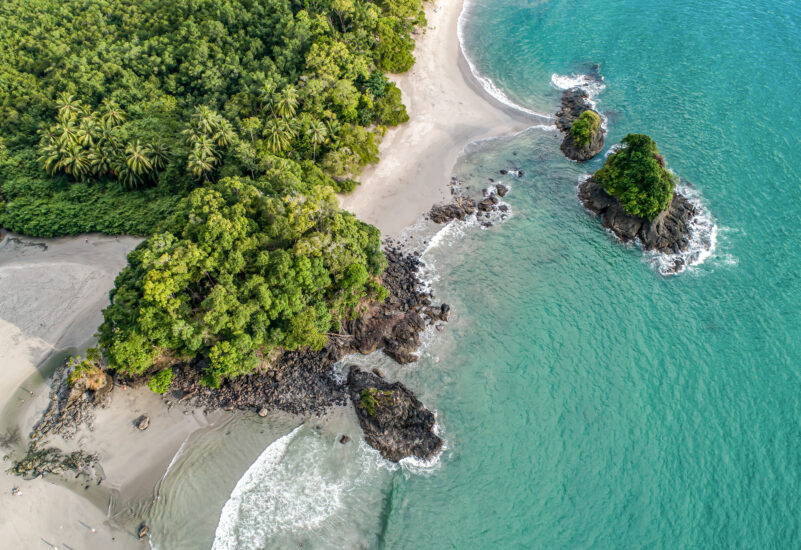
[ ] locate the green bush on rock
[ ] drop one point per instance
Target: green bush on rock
(637, 175)
(160, 382)
(584, 127)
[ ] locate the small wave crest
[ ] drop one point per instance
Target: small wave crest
(703, 239)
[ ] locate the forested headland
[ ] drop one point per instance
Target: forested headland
(221, 129)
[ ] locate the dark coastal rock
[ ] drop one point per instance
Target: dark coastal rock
(486, 205)
(344, 439)
(501, 190)
(574, 103)
(394, 421)
(459, 209)
(302, 382)
(142, 531)
(668, 233)
(143, 422)
(40, 462)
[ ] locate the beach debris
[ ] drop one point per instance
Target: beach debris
(16, 492)
(142, 422)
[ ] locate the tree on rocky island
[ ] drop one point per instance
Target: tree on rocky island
(238, 273)
(584, 127)
(638, 177)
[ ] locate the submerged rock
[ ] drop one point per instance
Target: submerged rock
(669, 232)
(394, 421)
(574, 104)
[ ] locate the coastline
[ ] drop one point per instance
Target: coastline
(448, 110)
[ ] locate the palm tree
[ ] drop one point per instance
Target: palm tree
(318, 134)
(204, 119)
(159, 155)
(137, 160)
(64, 133)
(51, 157)
(75, 161)
(278, 135)
(287, 102)
(267, 96)
(86, 131)
(200, 164)
(69, 108)
(224, 132)
(111, 113)
(100, 161)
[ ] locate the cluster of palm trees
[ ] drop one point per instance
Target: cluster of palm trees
(208, 136)
(280, 129)
(85, 143)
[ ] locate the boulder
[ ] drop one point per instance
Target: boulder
(142, 422)
(668, 233)
(394, 421)
(501, 190)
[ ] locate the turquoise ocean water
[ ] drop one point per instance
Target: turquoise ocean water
(588, 401)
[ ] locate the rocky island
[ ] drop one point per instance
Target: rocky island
(584, 136)
(635, 195)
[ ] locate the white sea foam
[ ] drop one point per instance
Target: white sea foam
(703, 239)
(591, 85)
(485, 82)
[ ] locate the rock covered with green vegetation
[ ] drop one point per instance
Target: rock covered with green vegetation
(581, 125)
(112, 111)
(393, 419)
(635, 194)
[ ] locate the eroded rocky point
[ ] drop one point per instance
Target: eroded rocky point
(394, 421)
(584, 145)
(668, 232)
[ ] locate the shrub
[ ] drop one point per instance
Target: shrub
(637, 175)
(160, 382)
(584, 127)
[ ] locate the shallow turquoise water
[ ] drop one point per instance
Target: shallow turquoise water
(588, 401)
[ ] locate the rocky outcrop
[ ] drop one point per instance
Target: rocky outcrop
(392, 418)
(459, 209)
(301, 382)
(668, 233)
(574, 103)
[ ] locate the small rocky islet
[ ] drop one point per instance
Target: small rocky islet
(635, 195)
(581, 125)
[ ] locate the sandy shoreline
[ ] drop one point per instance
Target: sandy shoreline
(448, 109)
(54, 291)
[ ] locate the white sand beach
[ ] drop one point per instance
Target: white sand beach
(448, 109)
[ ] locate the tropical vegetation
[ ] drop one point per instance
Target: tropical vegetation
(584, 127)
(222, 129)
(638, 176)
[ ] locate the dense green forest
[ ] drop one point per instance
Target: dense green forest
(223, 129)
(637, 175)
(111, 111)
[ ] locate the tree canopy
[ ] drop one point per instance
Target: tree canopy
(111, 110)
(584, 127)
(222, 128)
(237, 273)
(638, 176)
